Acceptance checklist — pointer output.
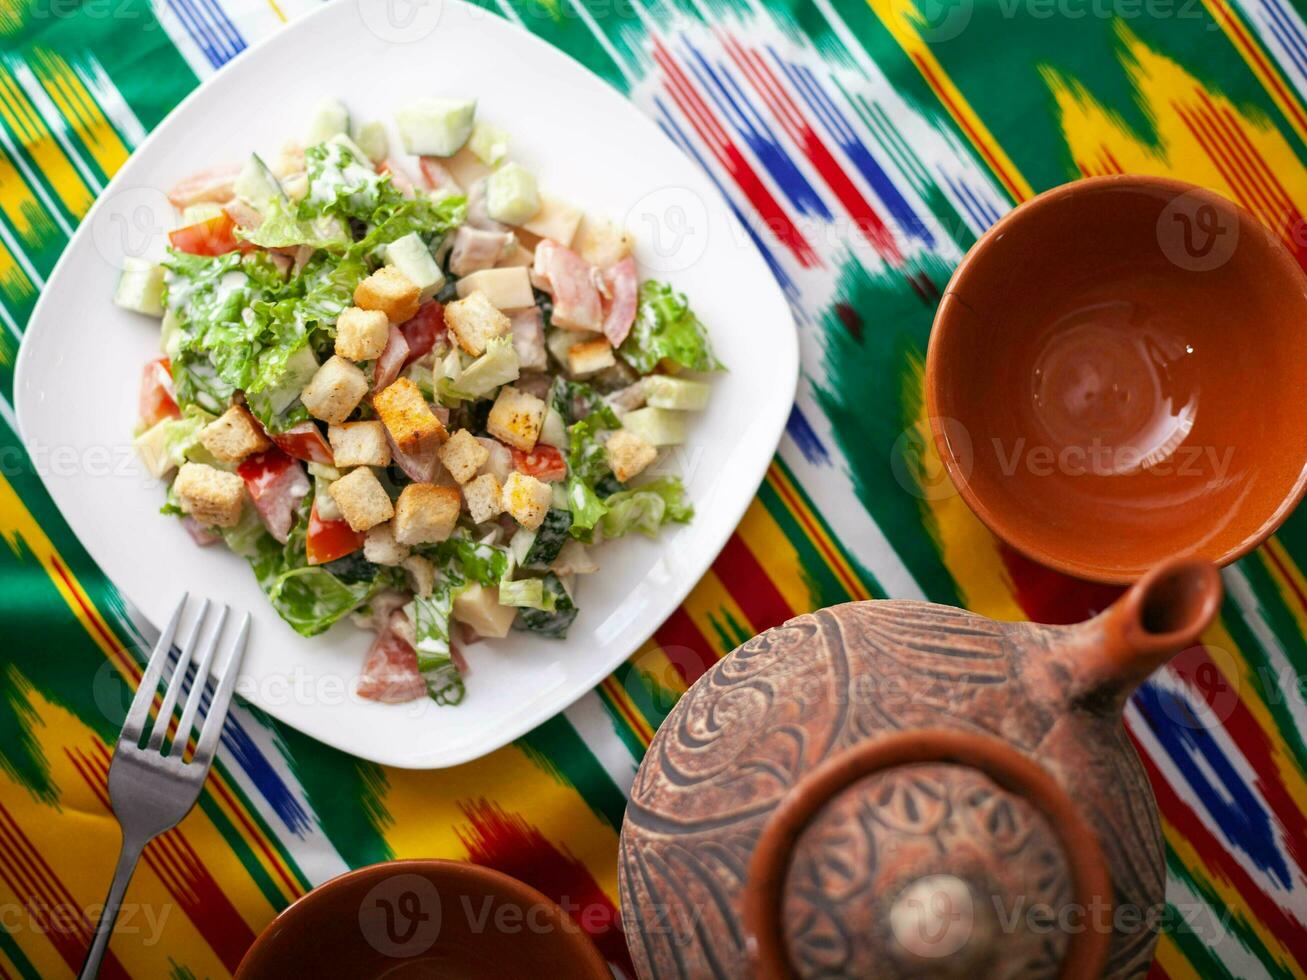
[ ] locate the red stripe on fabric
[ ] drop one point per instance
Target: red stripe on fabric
(1196, 670)
(1217, 153)
(1287, 929)
(791, 117)
(750, 586)
(817, 537)
(700, 116)
(1048, 596)
(120, 652)
(1158, 972)
(1284, 571)
(685, 647)
(506, 842)
(1272, 76)
(614, 696)
(972, 135)
(69, 931)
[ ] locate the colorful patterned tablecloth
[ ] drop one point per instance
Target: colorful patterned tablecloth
(866, 144)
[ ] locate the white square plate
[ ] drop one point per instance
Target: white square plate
(82, 357)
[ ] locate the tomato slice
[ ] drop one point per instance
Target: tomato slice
(329, 540)
(304, 441)
(544, 463)
(422, 332)
(276, 485)
(214, 236)
(156, 400)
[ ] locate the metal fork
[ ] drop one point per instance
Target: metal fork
(151, 790)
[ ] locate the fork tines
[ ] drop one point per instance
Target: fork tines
(198, 697)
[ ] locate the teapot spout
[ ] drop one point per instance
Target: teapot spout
(1162, 614)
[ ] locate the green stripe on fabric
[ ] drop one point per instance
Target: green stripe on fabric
(557, 22)
(14, 953)
(556, 747)
(620, 724)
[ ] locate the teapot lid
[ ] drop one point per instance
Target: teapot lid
(936, 922)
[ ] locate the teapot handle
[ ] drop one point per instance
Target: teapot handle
(1162, 614)
(1087, 948)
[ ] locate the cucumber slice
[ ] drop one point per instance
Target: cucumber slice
(488, 144)
(511, 194)
(411, 256)
(257, 183)
(550, 537)
(528, 593)
(170, 335)
(553, 624)
(329, 119)
(371, 138)
(436, 127)
(663, 391)
(140, 287)
(657, 426)
(553, 432)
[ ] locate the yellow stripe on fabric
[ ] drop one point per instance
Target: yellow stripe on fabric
(901, 19)
(713, 609)
(20, 206)
(426, 811)
(1227, 895)
(1238, 673)
(1201, 136)
(816, 532)
(13, 280)
(11, 15)
(71, 96)
(1288, 579)
(1173, 961)
(777, 556)
(81, 848)
(966, 547)
(1270, 77)
(22, 119)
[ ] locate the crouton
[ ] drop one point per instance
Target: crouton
(359, 444)
(421, 574)
(601, 242)
(463, 455)
(381, 548)
(474, 321)
(628, 454)
(362, 500)
(508, 287)
(391, 292)
(234, 435)
(335, 390)
(526, 499)
(211, 496)
(426, 513)
(516, 418)
(590, 357)
(361, 335)
(484, 497)
(408, 418)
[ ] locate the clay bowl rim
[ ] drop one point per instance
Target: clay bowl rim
(1283, 263)
(309, 910)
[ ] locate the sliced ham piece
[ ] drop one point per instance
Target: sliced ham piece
(398, 176)
(243, 213)
(534, 384)
(627, 399)
(200, 534)
(436, 176)
(476, 248)
(390, 669)
(217, 185)
(529, 339)
(391, 361)
(420, 467)
(477, 216)
(570, 280)
(623, 291)
(276, 484)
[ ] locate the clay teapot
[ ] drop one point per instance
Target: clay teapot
(903, 789)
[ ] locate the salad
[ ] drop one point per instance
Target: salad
(411, 388)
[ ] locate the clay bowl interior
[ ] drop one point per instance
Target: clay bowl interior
(1116, 375)
(411, 919)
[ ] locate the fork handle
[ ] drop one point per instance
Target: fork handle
(128, 855)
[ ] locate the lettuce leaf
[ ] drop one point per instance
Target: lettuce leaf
(430, 616)
(646, 508)
(283, 227)
(666, 328)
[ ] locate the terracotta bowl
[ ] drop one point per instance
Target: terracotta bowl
(1117, 375)
(410, 919)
